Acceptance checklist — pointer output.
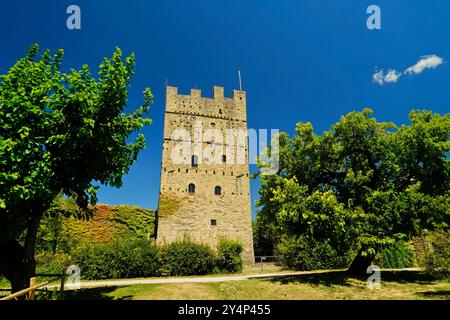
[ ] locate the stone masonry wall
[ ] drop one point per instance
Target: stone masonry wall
(184, 214)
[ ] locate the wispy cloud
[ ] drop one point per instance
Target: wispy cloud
(392, 75)
(425, 62)
(381, 78)
(378, 77)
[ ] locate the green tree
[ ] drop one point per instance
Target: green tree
(361, 185)
(265, 236)
(60, 133)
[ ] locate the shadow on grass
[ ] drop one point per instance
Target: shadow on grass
(324, 278)
(342, 278)
(93, 294)
(416, 277)
(436, 294)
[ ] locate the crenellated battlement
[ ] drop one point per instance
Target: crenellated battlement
(218, 93)
(216, 106)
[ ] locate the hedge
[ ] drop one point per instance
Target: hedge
(142, 258)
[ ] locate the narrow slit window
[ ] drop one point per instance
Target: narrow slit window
(194, 161)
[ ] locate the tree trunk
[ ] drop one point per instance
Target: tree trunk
(15, 266)
(20, 277)
(17, 262)
(359, 265)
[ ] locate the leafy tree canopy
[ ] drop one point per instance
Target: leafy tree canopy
(61, 133)
(362, 184)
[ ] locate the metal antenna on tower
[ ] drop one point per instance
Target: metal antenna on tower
(240, 80)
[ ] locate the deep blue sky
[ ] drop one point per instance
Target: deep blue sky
(300, 60)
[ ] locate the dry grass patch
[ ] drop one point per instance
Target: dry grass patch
(317, 286)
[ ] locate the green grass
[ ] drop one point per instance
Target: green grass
(4, 284)
(323, 286)
(248, 270)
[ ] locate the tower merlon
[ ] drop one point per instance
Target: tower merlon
(171, 90)
(196, 93)
(218, 92)
(238, 95)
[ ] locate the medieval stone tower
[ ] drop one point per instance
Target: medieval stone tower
(204, 194)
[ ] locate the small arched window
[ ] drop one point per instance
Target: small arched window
(224, 159)
(191, 188)
(217, 191)
(194, 161)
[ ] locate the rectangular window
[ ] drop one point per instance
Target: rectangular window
(213, 222)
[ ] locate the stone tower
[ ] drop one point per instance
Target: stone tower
(205, 187)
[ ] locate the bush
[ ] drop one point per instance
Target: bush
(184, 258)
(396, 256)
(421, 246)
(48, 263)
(303, 253)
(437, 260)
(140, 258)
(4, 283)
(229, 256)
(121, 259)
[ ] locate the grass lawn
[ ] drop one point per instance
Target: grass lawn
(248, 270)
(330, 285)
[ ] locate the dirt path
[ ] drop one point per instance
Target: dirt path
(203, 279)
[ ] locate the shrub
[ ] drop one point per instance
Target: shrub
(96, 261)
(303, 253)
(229, 256)
(140, 258)
(48, 263)
(184, 258)
(144, 259)
(120, 259)
(421, 246)
(437, 260)
(396, 256)
(4, 283)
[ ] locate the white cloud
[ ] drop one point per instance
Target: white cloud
(378, 77)
(426, 62)
(392, 76)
